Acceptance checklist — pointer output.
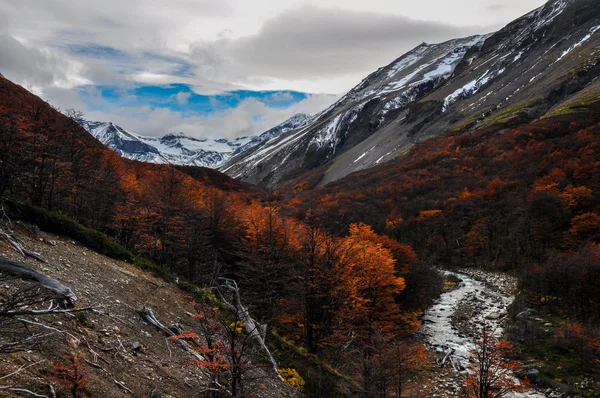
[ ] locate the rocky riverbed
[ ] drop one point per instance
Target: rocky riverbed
(454, 322)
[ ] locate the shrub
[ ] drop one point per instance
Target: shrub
(292, 377)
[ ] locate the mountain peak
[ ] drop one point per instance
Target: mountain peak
(437, 87)
(179, 148)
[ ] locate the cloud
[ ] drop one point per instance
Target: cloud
(72, 51)
(31, 66)
(182, 97)
(316, 43)
(250, 117)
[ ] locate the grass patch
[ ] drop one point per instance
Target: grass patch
(472, 121)
(60, 224)
(580, 104)
(511, 113)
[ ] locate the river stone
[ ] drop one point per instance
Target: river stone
(527, 314)
(494, 316)
(532, 374)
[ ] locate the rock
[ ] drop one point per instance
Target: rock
(494, 315)
(137, 346)
(533, 374)
(146, 334)
(176, 328)
(527, 314)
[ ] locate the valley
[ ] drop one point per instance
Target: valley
(435, 232)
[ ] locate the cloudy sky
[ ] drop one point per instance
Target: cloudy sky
(219, 68)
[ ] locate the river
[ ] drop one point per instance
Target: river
(488, 304)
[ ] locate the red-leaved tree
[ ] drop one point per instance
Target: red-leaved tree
(492, 373)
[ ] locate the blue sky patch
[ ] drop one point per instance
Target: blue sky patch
(181, 98)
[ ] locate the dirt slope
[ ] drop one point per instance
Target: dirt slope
(112, 341)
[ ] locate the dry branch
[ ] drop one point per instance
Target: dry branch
(149, 317)
(25, 272)
(123, 386)
(22, 368)
(47, 312)
(23, 391)
(252, 328)
(19, 247)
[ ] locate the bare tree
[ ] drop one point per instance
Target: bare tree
(75, 115)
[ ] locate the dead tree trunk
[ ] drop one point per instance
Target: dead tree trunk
(252, 328)
(24, 272)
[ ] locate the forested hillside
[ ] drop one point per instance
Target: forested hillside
(515, 196)
(337, 296)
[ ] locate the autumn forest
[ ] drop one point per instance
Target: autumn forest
(343, 272)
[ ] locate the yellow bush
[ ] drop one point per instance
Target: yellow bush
(291, 377)
(238, 326)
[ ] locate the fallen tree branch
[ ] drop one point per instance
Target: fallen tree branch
(94, 365)
(22, 390)
(34, 256)
(123, 386)
(14, 242)
(24, 344)
(25, 272)
(149, 317)
(49, 328)
(22, 368)
(47, 312)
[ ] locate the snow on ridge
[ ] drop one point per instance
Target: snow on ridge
(327, 134)
(471, 87)
(178, 148)
(579, 43)
(407, 60)
(557, 9)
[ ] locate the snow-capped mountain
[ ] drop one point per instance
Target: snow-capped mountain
(355, 116)
(180, 149)
(524, 70)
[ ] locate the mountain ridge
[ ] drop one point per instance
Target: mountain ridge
(178, 148)
(525, 69)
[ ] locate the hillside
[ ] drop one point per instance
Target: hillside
(273, 273)
(442, 216)
(522, 71)
(121, 346)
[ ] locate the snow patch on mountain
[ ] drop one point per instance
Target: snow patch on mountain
(579, 43)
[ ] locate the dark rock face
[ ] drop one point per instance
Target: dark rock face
(522, 72)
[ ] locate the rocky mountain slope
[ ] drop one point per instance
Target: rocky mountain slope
(524, 71)
(180, 149)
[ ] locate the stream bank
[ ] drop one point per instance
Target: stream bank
(452, 325)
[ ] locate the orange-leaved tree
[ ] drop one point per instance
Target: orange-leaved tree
(492, 373)
(372, 316)
(73, 375)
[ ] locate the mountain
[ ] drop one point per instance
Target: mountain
(180, 149)
(523, 71)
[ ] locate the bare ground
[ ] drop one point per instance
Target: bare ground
(129, 354)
